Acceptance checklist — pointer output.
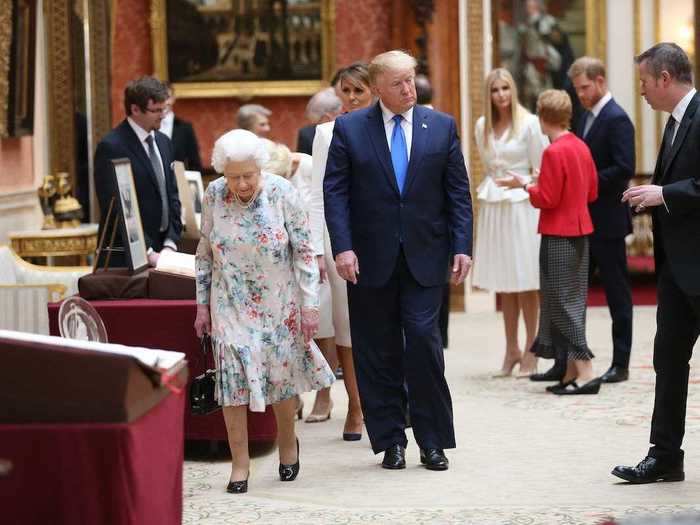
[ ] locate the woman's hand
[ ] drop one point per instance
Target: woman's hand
(320, 259)
(514, 180)
(309, 323)
(202, 323)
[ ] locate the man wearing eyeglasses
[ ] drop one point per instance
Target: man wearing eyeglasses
(150, 152)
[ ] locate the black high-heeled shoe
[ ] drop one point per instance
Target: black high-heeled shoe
(290, 472)
(238, 487)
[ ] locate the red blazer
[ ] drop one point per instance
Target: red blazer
(568, 182)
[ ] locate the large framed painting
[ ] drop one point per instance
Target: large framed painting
(538, 40)
(244, 48)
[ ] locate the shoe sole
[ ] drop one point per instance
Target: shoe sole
(351, 436)
(392, 467)
(662, 479)
(434, 467)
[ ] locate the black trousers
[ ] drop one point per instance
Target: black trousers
(396, 341)
(677, 329)
(610, 257)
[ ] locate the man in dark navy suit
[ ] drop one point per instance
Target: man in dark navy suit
(138, 139)
(399, 216)
(609, 133)
(181, 135)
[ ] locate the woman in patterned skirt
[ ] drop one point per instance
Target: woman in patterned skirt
(568, 182)
(257, 295)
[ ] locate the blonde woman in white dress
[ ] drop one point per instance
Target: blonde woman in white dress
(355, 93)
(506, 256)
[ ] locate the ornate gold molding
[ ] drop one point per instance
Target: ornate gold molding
(5, 46)
(59, 55)
(597, 28)
(159, 44)
(100, 64)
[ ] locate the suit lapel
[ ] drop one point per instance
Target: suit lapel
(680, 134)
(377, 135)
(420, 133)
(597, 123)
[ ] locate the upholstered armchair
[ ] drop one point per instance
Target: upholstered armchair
(26, 289)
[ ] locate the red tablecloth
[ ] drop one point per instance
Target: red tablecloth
(168, 325)
(106, 473)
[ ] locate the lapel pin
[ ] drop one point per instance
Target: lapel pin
(424, 125)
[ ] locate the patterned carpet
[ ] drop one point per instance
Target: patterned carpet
(524, 457)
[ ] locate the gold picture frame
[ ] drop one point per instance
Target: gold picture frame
(243, 89)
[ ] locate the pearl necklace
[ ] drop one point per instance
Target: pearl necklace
(250, 201)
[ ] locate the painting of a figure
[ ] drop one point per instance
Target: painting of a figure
(244, 40)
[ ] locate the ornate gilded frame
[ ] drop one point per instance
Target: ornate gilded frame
(242, 89)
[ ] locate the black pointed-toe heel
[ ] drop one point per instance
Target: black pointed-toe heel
(290, 472)
(237, 487)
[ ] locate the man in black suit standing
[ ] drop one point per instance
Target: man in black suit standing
(609, 133)
(666, 81)
(181, 134)
(138, 139)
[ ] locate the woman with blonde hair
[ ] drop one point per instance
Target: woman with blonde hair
(509, 139)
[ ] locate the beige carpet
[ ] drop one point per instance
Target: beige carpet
(524, 457)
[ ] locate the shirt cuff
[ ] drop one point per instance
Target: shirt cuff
(664, 201)
(169, 243)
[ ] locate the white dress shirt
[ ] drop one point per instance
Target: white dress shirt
(142, 134)
(406, 125)
(601, 104)
(679, 111)
(166, 125)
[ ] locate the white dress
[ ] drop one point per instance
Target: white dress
(506, 255)
(335, 319)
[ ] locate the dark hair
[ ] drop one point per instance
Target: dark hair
(336, 77)
(424, 91)
(669, 57)
(143, 89)
(357, 72)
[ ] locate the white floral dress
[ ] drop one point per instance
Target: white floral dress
(256, 270)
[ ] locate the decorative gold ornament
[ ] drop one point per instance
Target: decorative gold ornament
(66, 208)
(46, 192)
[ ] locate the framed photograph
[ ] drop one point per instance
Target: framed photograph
(189, 188)
(194, 181)
(129, 216)
(538, 40)
(224, 48)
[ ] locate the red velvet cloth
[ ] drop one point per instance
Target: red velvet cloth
(168, 325)
(106, 473)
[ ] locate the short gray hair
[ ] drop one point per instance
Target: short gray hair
(395, 59)
(322, 103)
(669, 57)
(245, 118)
(238, 145)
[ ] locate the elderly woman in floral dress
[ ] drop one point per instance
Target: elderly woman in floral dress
(257, 294)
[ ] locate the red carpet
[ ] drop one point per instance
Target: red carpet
(641, 271)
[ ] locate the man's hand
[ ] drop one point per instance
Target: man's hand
(310, 319)
(347, 266)
(153, 258)
(321, 260)
(460, 268)
(643, 196)
(202, 323)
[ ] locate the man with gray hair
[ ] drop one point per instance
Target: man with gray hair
(665, 75)
(324, 106)
(254, 118)
(608, 132)
(399, 218)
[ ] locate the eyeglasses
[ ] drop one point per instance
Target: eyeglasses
(157, 110)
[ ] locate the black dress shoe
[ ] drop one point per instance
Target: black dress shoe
(237, 487)
(650, 470)
(394, 457)
(560, 385)
(434, 459)
(290, 472)
(572, 388)
(615, 374)
(553, 374)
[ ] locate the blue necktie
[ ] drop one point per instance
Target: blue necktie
(399, 153)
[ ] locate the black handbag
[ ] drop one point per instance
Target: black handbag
(202, 388)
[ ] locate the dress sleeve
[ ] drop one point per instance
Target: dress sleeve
(305, 266)
(537, 142)
(204, 258)
(319, 155)
(479, 137)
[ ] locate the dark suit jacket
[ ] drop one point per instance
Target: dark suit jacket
(185, 147)
(611, 141)
(305, 139)
(677, 232)
(122, 142)
(364, 211)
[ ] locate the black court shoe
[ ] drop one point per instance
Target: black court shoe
(290, 472)
(238, 487)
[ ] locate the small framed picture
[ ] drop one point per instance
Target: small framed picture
(130, 216)
(194, 181)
